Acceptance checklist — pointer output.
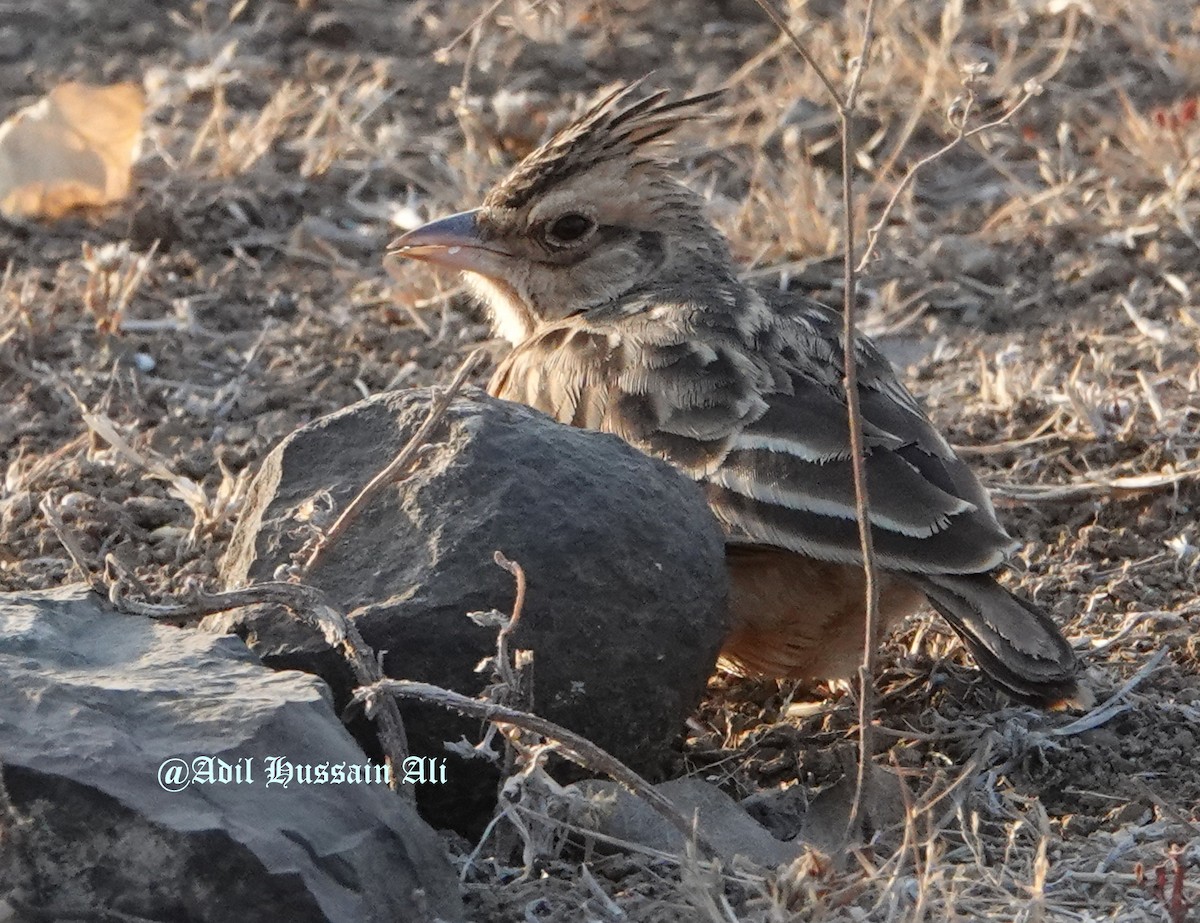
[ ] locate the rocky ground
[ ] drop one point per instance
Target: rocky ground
(1037, 286)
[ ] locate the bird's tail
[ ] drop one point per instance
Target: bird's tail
(1012, 640)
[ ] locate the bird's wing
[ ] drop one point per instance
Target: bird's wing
(749, 402)
(786, 480)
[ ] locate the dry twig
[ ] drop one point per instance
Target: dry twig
(866, 670)
(1094, 487)
(845, 107)
(578, 749)
(1031, 90)
(398, 466)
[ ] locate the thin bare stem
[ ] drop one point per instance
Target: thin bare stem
(442, 54)
(515, 690)
(578, 749)
(845, 107)
(518, 573)
(398, 466)
(509, 674)
(800, 47)
(877, 228)
(866, 670)
(864, 52)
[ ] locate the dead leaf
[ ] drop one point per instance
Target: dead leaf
(72, 149)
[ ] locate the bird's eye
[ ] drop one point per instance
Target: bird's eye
(568, 229)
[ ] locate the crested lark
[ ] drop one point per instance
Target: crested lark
(626, 314)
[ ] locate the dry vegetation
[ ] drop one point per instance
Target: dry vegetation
(1038, 283)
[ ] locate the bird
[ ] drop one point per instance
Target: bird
(626, 313)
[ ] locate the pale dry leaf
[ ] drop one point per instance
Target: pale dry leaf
(180, 486)
(74, 148)
(1150, 329)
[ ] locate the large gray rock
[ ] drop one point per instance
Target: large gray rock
(95, 701)
(626, 603)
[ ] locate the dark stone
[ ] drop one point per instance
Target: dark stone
(626, 602)
(95, 701)
(153, 222)
(332, 30)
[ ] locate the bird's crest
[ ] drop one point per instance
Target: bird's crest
(609, 130)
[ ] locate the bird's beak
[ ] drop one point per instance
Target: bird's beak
(454, 242)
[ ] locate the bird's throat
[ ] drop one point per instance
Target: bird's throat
(511, 317)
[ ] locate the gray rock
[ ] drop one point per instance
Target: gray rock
(609, 809)
(95, 701)
(626, 603)
(822, 819)
(827, 823)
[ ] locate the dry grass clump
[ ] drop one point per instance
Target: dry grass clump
(1037, 284)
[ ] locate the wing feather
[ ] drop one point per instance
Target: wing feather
(831, 538)
(762, 425)
(902, 499)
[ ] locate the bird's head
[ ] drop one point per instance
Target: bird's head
(593, 214)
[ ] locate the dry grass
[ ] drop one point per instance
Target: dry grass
(1038, 285)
